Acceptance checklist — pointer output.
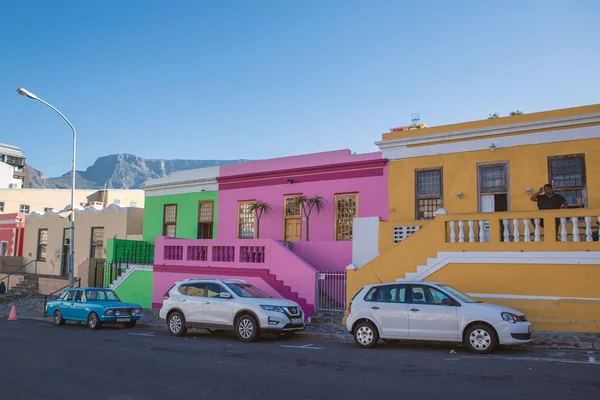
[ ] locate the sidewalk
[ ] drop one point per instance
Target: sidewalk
(32, 308)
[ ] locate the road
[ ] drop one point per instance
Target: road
(41, 361)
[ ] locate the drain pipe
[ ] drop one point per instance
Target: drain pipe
(18, 236)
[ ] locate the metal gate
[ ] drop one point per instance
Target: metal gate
(106, 273)
(331, 290)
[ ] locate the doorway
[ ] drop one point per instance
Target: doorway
(492, 186)
(292, 220)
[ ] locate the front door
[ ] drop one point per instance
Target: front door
(388, 307)
(430, 317)
(217, 311)
(192, 301)
(293, 229)
(78, 309)
(66, 305)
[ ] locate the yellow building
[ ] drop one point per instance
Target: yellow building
(460, 213)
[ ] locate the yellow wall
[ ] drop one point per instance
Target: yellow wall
(528, 168)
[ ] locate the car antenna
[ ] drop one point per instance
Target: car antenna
(374, 273)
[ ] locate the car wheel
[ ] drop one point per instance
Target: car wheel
(481, 339)
(246, 328)
(58, 318)
(130, 324)
(93, 321)
(366, 335)
(176, 324)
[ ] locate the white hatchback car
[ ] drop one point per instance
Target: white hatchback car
(228, 305)
(435, 312)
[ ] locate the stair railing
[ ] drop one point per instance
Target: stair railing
(7, 277)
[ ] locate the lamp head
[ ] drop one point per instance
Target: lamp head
(26, 93)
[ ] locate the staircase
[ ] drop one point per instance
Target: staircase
(26, 288)
(286, 292)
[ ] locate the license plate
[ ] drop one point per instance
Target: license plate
(123, 319)
(297, 321)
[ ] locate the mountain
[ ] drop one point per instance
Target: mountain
(119, 171)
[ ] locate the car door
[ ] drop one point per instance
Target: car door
(432, 314)
(217, 311)
(388, 307)
(66, 305)
(78, 308)
(191, 301)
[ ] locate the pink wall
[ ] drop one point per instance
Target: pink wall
(11, 233)
(305, 160)
(325, 256)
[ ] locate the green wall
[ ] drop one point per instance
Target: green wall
(131, 251)
(137, 288)
(187, 214)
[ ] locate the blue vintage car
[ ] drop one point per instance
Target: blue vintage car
(93, 306)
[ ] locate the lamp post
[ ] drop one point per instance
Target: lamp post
(26, 93)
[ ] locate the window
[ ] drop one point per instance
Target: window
(42, 244)
(24, 209)
(70, 295)
(292, 208)
(429, 197)
(430, 295)
(567, 176)
(345, 211)
(97, 245)
(170, 220)
(133, 204)
(205, 219)
(493, 179)
(1, 206)
(196, 290)
(245, 221)
(79, 295)
(214, 290)
(46, 209)
(387, 294)
(183, 289)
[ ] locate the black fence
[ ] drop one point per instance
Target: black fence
(133, 252)
(105, 273)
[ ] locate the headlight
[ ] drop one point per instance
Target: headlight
(508, 317)
(109, 311)
(271, 308)
(137, 311)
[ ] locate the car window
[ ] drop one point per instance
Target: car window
(214, 290)
(183, 289)
(429, 295)
(79, 295)
(387, 294)
(70, 295)
(63, 295)
(196, 290)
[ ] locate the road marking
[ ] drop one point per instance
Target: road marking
(539, 359)
(143, 334)
(306, 346)
(44, 325)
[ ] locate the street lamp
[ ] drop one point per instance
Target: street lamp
(24, 92)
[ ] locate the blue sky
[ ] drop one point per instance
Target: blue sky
(268, 78)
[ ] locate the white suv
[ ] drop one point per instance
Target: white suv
(432, 311)
(217, 304)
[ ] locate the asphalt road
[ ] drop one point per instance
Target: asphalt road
(41, 361)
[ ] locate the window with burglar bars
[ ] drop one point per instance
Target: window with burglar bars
(429, 193)
(567, 176)
(170, 220)
(493, 179)
(245, 220)
(97, 245)
(205, 219)
(42, 244)
(345, 212)
(292, 208)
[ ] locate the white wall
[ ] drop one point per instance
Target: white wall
(365, 240)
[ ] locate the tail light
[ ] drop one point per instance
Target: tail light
(166, 295)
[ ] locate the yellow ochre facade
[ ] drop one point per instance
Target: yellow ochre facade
(460, 213)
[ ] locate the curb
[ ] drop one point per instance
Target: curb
(347, 338)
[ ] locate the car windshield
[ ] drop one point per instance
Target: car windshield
(460, 296)
(247, 290)
(101, 295)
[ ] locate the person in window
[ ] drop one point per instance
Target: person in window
(548, 200)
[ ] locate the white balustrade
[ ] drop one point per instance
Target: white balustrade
(481, 231)
(588, 229)
(563, 229)
(506, 232)
(461, 231)
(575, 222)
(471, 232)
(536, 232)
(452, 233)
(516, 230)
(526, 231)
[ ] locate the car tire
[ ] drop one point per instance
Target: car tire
(130, 324)
(366, 335)
(58, 318)
(176, 324)
(481, 339)
(247, 329)
(94, 322)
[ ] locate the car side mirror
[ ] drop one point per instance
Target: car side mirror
(224, 295)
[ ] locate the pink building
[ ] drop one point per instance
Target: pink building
(11, 234)
(281, 261)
